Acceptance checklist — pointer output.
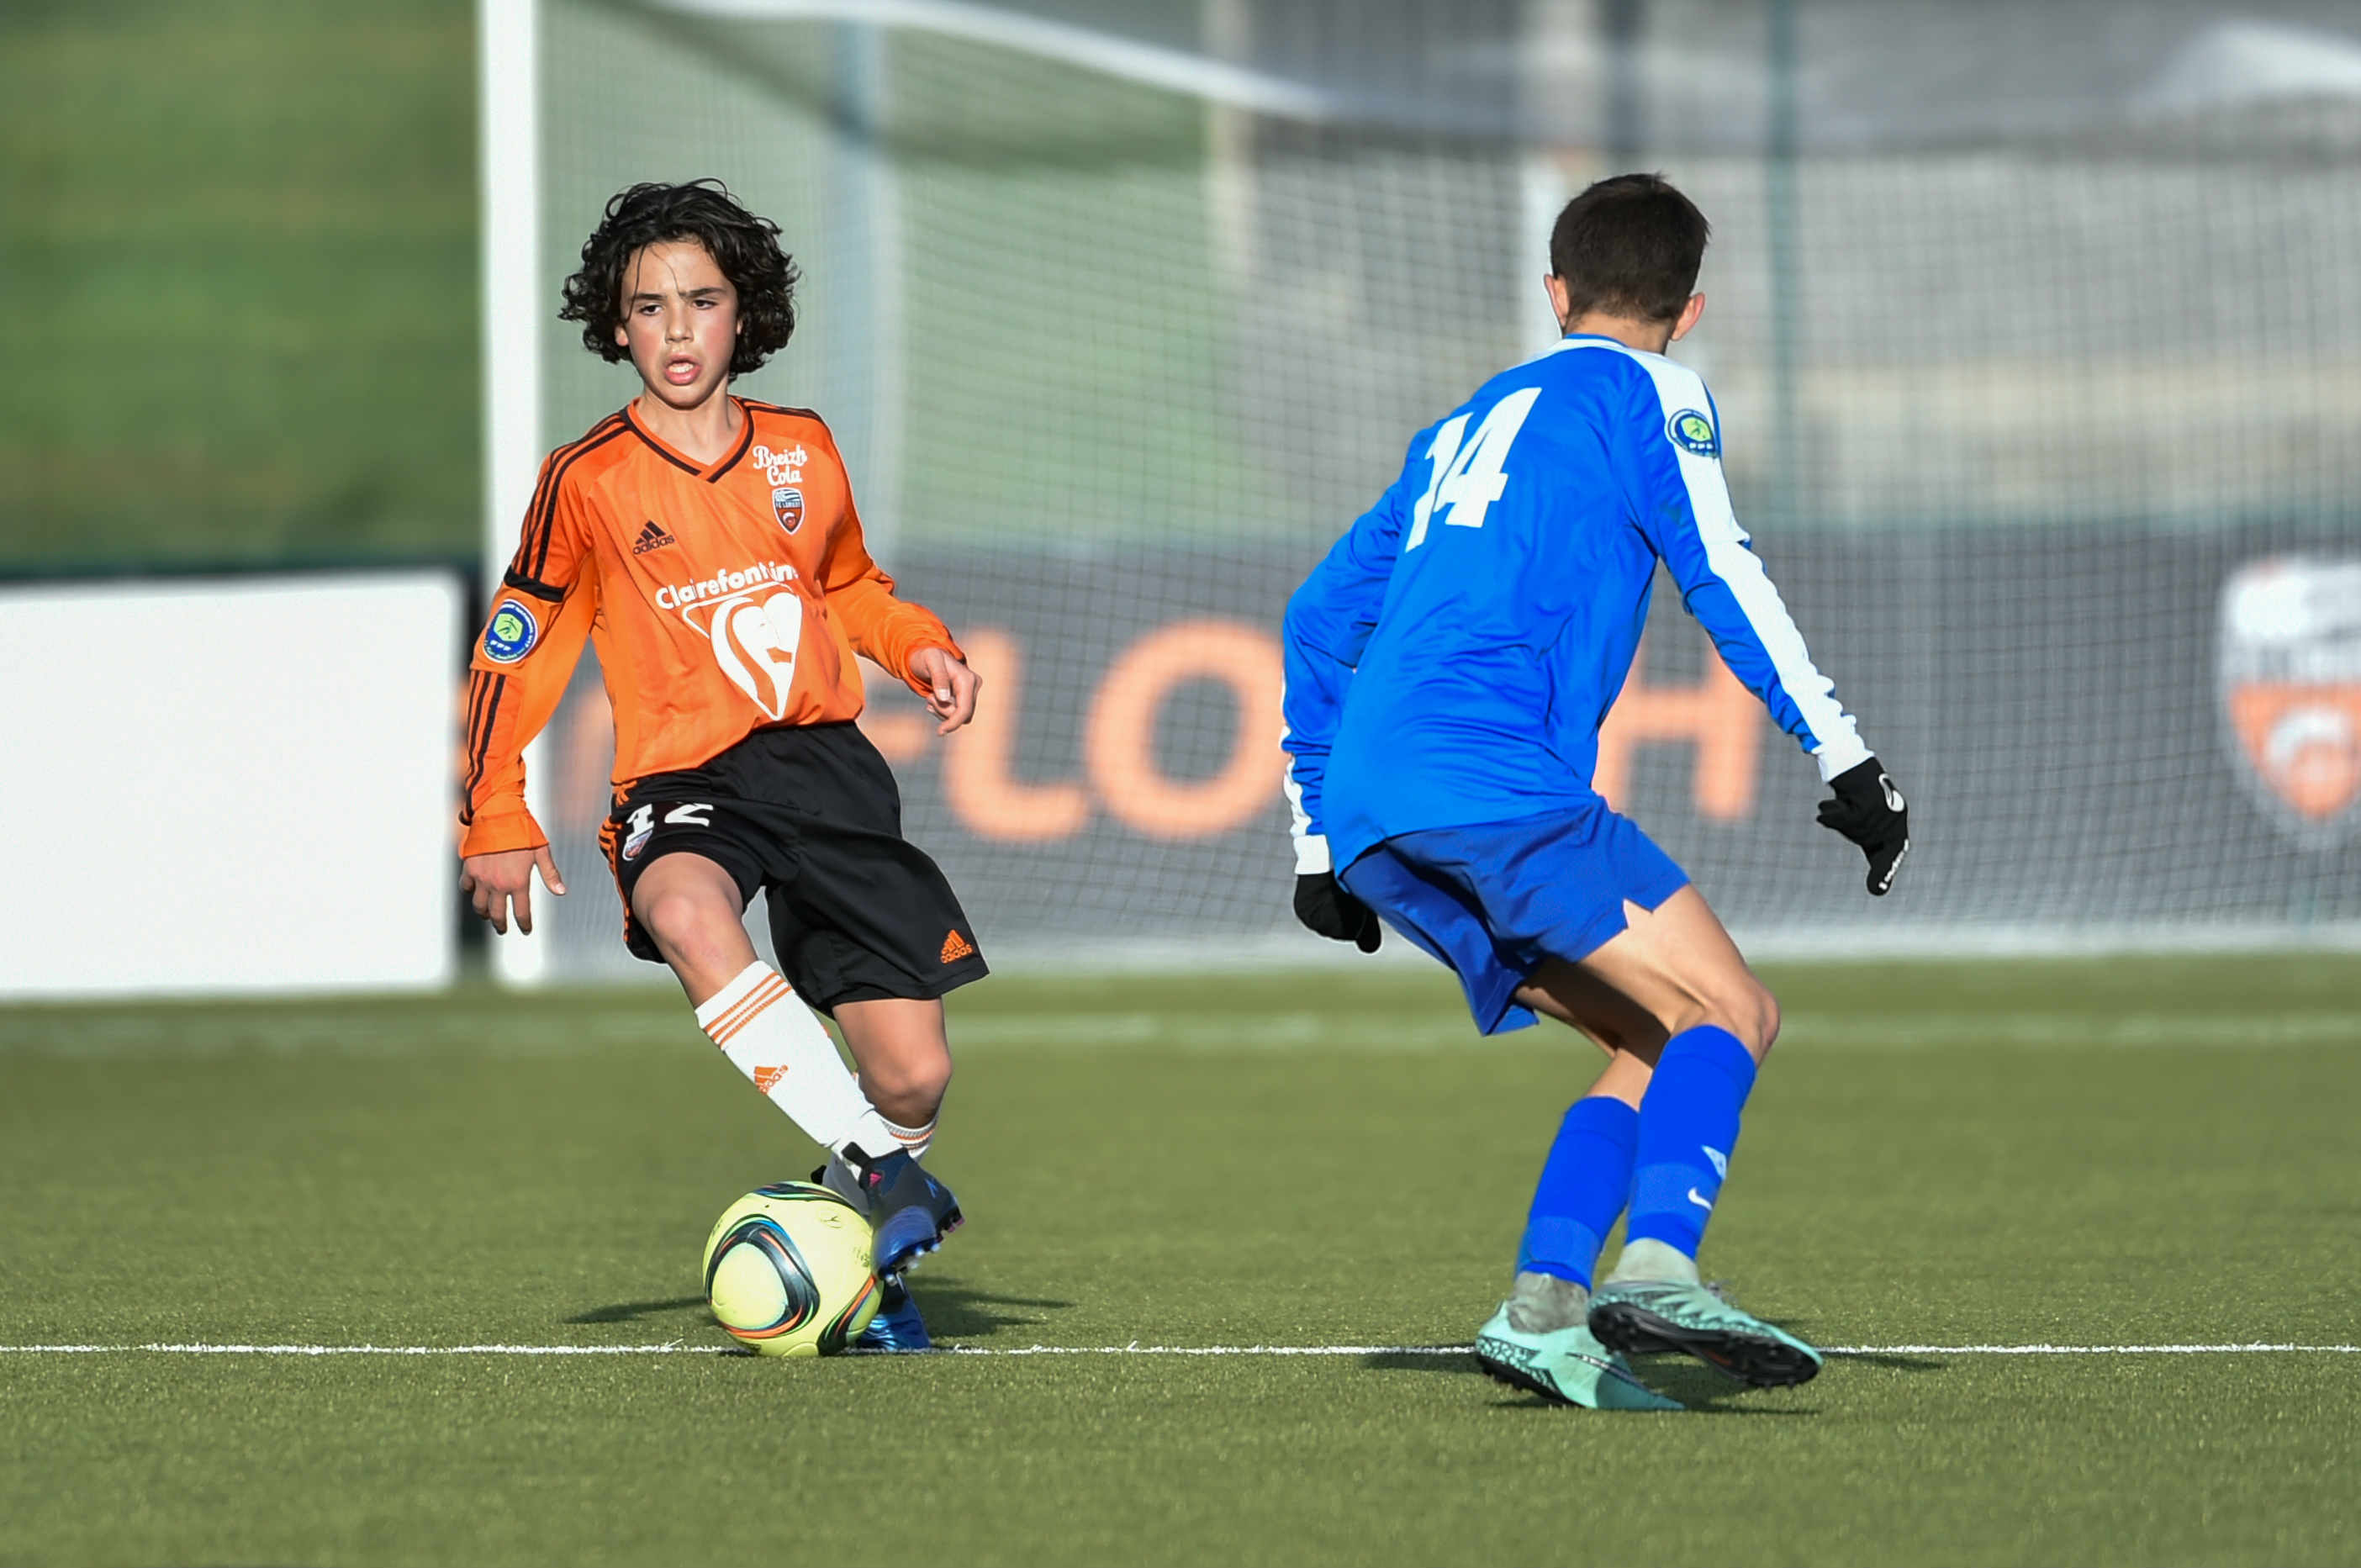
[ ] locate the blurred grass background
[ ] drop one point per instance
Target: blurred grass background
(245, 233)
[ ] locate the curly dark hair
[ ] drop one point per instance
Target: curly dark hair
(744, 246)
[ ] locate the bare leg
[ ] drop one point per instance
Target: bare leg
(904, 1054)
(1676, 966)
(690, 909)
(1618, 1026)
(1547, 1302)
(1671, 969)
(1574, 996)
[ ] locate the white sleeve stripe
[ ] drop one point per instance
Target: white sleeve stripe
(1836, 741)
(1302, 819)
(1311, 849)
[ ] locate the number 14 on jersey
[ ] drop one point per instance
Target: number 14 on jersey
(1464, 480)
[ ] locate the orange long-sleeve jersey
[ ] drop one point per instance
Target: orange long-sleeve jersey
(722, 598)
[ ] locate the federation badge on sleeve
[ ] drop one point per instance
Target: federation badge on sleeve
(787, 506)
(1691, 430)
(512, 632)
(2289, 675)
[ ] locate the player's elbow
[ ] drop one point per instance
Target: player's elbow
(1294, 622)
(1316, 612)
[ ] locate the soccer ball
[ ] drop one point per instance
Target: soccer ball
(788, 1271)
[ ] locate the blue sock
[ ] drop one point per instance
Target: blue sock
(1688, 1124)
(1581, 1191)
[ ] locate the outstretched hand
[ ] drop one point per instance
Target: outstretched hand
(492, 880)
(1869, 811)
(951, 687)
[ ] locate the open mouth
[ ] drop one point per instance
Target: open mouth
(681, 372)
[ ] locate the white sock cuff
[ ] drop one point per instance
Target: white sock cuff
(725, 1012)
(915, 1140)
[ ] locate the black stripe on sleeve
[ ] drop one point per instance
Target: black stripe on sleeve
(532, 556)
(477, 682)
(484, 740)
(524, 585)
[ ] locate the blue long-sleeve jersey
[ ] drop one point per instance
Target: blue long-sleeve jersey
(1451, 660)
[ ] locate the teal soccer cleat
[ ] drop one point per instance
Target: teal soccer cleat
(1566, 1365)
(1638, 1317)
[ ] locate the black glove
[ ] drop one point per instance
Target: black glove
(1868, 810)
(1322, 902)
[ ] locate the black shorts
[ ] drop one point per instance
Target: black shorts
(810, 815)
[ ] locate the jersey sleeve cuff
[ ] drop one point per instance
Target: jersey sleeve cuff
(1840, 756)
(1312, 854)
(493, 835)
(911, 677)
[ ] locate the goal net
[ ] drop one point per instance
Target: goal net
(2039, 400)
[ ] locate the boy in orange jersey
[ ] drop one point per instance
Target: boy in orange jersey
(709, 547)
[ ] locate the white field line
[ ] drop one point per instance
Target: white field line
(677, 1348)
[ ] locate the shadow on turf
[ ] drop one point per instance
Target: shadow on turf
(1696, 1386)
(953, 1311)
(957, 1312)
(633, 1311)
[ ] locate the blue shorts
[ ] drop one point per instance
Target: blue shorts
(1494, 901)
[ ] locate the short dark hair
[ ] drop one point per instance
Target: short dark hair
(1630, 246)
(744, 246)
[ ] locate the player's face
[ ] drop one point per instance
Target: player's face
(680, 321)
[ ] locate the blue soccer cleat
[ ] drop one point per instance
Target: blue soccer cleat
(910, 1211)
(898, 1326)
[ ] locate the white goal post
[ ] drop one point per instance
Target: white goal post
(508, 99)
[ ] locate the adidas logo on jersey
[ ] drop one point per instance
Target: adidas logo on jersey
(956, 947)
(652, 538)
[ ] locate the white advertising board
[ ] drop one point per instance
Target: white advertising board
(228, 785)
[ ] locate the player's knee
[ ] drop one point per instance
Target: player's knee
(1751, 1014)
(1765, 1022)
(687, 922)
(908, 1091)
(1746, 1009)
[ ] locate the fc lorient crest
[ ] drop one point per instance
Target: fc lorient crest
(2290, 679)
(787, 506)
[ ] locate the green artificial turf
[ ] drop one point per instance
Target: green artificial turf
(2098, 1153)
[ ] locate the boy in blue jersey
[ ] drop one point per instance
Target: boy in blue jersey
(1448, 666)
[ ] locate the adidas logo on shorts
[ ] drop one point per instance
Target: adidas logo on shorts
(956, 947)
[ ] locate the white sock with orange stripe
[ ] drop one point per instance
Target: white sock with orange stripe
(915, 1141)
(780, 1045)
